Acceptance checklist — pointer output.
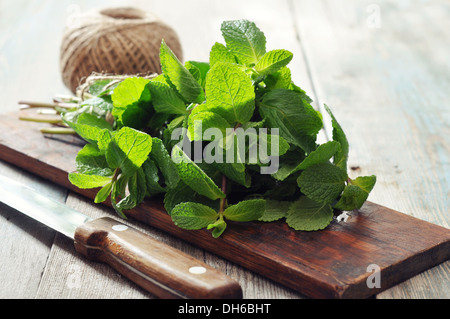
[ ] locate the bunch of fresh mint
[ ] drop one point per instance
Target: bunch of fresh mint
(171, 137)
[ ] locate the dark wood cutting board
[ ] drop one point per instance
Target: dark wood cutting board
(332, 263)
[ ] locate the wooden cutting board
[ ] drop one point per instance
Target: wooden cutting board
(338, 262)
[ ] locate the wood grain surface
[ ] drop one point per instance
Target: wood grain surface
(382, 67)
(333, 263)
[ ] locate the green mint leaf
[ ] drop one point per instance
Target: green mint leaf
(284, 171)
(131, 91)
(272, 61)
(97, 106)
(165, 99)
(136, 185)
(85, 181)
(203, 67)
(97, 88)
(297, 121)
(103, 193)
(218, 228)
(255, 125)
(157, 121)
(183, 193)
(134, 116)
(220, 53)
(128, 150)
(280, 79)
(119, 187)
(195, 71)
(191, 174)
(180, 77)
(160, 78)
(125, 203)
(103, 140)
(302, 93)
(356, 193)
(119, 207)
(275, 210)
(288, 163)
(118, 191)
(191, 215)
(230, 93)
(92, 161)
(234, 171)
(179, 194)
(244, 40)
(322, 154)
(199, 122)
(89, 127)
(163, 160)
(198, 70)
(131, 100)
(366, 183)
(275, 145)
(341, 157)
(152, 178)
(87, 119)
(175, 123)
(308, 215)
(322, 183)
(245, 211)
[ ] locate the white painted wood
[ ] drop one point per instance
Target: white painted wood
(25, 244)
(383, 69)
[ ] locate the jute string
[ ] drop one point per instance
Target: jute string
(111, 79)
(114, 41)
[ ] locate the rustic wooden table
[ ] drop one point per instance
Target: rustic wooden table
(382, 66)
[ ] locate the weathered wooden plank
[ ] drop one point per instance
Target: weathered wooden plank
(331, 263)
(68, 275)
(29, 51)
(25, 244)
(27, 57)
(383, 70)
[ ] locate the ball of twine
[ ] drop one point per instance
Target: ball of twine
(114, 41)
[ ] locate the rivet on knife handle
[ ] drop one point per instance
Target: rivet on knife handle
(162, 270)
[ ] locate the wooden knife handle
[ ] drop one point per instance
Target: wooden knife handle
(162, 270)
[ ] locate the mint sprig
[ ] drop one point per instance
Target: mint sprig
(176, 137)
(230, 93)
(179, 76)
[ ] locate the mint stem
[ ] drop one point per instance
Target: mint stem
(116, 175)
(40, 120)
(58, 130)
(224, 189)
(31, 104)
(224, 184)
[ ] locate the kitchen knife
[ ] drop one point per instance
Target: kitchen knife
(160, 269)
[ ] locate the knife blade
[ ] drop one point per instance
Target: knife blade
(161, 269)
